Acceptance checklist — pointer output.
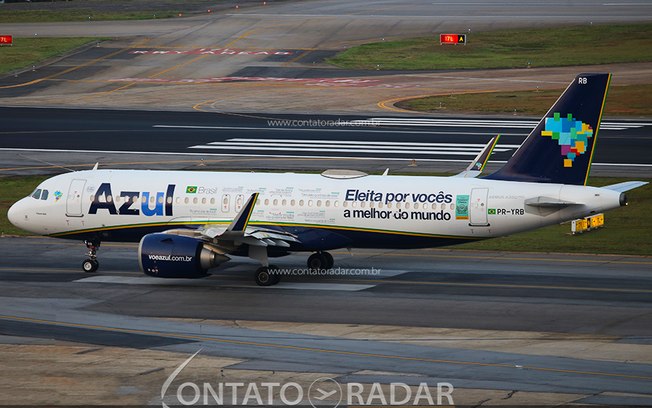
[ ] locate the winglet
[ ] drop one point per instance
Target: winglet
(477, 165)
(240, 222)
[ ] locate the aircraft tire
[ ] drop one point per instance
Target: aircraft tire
(328, 260)
(90, 265)
(264, 278)
(316, 261)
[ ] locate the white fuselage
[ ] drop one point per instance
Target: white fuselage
(104, 201)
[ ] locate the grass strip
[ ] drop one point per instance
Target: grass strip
(547, 47)
(51, 16)
(29, 51)
(632, 101)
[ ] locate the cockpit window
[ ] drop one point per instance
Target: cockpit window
(37, 193)
(44, 195)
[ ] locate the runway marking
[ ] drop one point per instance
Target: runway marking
(145, 280)
(388, 104)
(484, 123)
(363, 284)
(346, 130)
(219, 340)
(280, 156)
(76, 67)
(507, 286)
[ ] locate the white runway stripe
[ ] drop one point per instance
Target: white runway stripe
(369, 143)
(231, 146)
(330, 130)
(521, 124)
(146, 280)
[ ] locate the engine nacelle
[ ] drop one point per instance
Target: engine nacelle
(176, 256)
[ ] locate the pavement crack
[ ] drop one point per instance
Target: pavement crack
(510, 394)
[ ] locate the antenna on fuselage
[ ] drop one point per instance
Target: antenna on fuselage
(96, 166)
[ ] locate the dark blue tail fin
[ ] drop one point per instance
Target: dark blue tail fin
(560, 149)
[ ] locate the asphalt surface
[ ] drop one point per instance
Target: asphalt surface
(47, 296)
(31, 138)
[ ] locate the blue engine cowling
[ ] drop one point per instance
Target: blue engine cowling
(176, 256)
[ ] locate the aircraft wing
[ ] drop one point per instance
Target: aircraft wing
(240, 232)
(477, 165)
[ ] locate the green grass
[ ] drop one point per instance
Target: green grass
(563, 46)
(48, 16)
(634, 100)
(626, 230)
(29, 51)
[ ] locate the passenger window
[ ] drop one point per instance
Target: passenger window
(275, 202)
(318, 203)
(44, 195)
(37, 193)
(293, 202)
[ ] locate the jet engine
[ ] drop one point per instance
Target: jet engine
(176, 256)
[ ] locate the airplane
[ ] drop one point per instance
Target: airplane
(188, 222)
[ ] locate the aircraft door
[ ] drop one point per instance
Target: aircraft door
(74, 198)
(478, 207)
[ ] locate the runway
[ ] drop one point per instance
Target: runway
(603, 301)
(73, 138)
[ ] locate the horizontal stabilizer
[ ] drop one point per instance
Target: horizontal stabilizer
(548, 202)
(626, 186)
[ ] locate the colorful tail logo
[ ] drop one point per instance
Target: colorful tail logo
(571, 134)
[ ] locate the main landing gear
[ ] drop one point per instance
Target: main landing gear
(91, 264)
(320, 261)
(267, 275)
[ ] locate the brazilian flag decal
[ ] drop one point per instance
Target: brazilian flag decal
(491, 211)
(191, 190)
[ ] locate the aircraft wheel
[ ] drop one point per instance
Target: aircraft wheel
(316, 261)
(328, 260)
(265, 278)
(273, 272)
(90, 265)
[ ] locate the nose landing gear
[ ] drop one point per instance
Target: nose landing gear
(91, 264)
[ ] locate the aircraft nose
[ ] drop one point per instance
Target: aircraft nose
(16, 215)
